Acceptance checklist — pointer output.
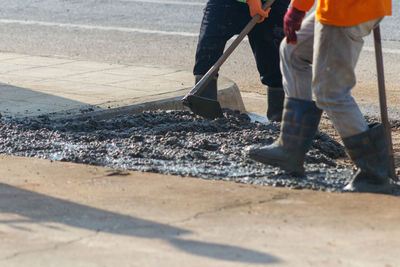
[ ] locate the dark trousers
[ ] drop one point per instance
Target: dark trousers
(223, 19)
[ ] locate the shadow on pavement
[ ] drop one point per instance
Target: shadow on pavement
(19, 101)
(41, 209)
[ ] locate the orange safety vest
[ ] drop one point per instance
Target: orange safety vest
(346, 12)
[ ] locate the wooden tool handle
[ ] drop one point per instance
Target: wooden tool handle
(382, 100)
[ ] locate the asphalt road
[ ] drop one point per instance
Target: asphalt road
(157, 32)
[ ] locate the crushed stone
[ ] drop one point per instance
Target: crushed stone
(174, 143)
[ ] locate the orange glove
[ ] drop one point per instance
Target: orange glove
(256, 8)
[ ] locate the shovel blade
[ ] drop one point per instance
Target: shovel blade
(204, 107)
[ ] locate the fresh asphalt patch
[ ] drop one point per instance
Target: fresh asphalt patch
(174, 143)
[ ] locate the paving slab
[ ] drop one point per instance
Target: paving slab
(64, 214)
(33, 86)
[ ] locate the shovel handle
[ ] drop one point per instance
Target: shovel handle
(199, 87)
(382, 100)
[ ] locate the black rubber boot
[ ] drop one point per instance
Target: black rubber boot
(211, 89)
(276, 97)
(299, 125)
(369, 152)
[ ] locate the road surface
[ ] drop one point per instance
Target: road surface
(157, 32)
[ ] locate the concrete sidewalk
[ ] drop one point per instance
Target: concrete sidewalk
(33, 86)
(64, 214)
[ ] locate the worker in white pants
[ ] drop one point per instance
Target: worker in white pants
(320, 60)
(329, 72)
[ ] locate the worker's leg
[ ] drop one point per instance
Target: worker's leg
(220, 22)
(336, 52)
(265, 39)
(296, 62)
(301, 115)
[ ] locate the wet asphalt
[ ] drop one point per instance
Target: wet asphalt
(174, 143)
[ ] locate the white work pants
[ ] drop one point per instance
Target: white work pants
(322, 63)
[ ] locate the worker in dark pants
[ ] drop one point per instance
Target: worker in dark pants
(225, 18)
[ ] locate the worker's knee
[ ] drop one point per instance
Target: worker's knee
(324, 103)
(333, 100)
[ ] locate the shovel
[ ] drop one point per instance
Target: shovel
(382, 101)
(210, 108)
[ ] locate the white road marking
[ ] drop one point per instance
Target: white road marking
(95, 27)
(134, 30)
(168, 2)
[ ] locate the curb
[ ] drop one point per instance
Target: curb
(229, 97)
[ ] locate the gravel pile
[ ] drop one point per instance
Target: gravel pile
(175, 143)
